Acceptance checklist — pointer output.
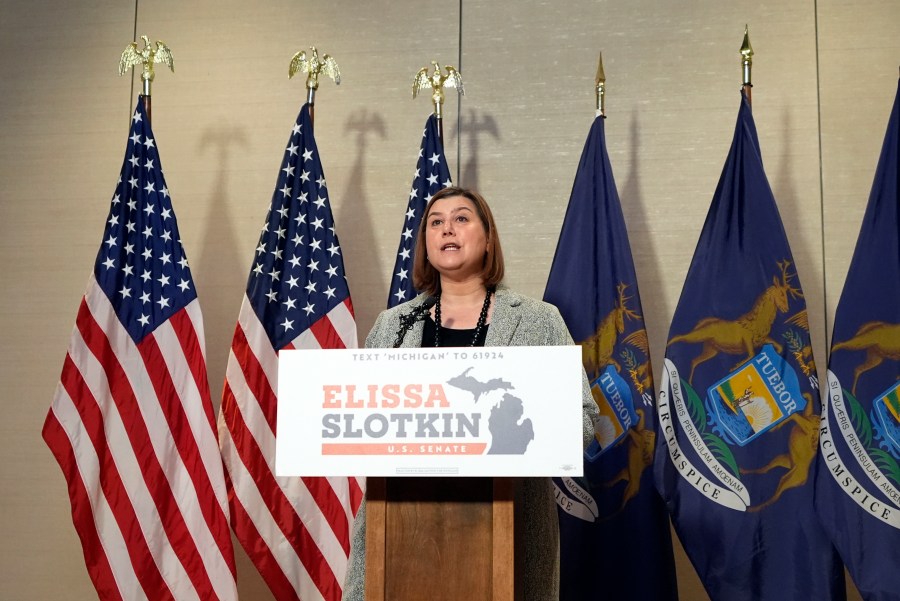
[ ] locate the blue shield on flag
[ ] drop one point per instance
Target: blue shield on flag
(858, 475)
(615, 541)
(738, 405)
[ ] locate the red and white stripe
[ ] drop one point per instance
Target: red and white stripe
(295, 530)
(131, 426)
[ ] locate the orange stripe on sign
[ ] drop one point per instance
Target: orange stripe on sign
(432, 448)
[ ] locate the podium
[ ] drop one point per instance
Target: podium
(442, 539)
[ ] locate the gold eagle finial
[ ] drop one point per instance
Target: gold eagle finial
(437, 81)
(313, 66)
(146, 58)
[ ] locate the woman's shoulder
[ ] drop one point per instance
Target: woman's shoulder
(527, 304)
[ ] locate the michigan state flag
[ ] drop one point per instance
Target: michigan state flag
(858, 480)
(739, 402)
(615, 541)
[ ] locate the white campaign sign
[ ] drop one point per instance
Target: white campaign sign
(492, 411)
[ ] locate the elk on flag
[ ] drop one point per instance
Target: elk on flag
(295, 530)
(432, 174)
(858, 481)
(739, 402)
(614, 528)
(132, 423)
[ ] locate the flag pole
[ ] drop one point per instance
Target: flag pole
(313, 66)
(747, 63)
(146, 57)
(437, 81)
(600, 83)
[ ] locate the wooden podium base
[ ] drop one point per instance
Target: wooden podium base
(440, 539)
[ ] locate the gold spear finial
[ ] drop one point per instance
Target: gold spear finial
(747, 57)
(437, 82)
(146, 57)
(601, 88)
(313, 66)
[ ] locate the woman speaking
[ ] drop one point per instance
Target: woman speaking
(458, 267)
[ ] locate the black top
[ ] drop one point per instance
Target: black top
(451, 337)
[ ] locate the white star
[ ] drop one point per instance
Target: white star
(113, 220)
(404, 254)
(303, 197)
(402, 274)
(164, 191)
(298, 239)
(109, 263)
(321, 181)
(329, 292)
(317, 223)
(289, 170)
(283, 211)
(136, 117)
(184, 286)
(136, 138)
(413, 193)
(166, 258)
(288, 324)
(148, 209)
(111, 242)
(144, 319)
(292, 149)
(133, 181)
(334, 249)
(435, 158)
(148, 143)
(304, 176)
(274, 274)
(320, 202)
(149, 187)
(411, 213)
(311, 287)
(165, 214)
(295, 261)
(128, 270)
(332, 271)
(261, 248)
(148, 231)
(286, 191)
(148, 165)
(167, 236)
(146, 275)
(313, 266)
(132, 204)
(163, 280)
(290, 303)
(315, 245)
(309, 308)
(300, 218)
(448, 183)
(148, 253)
(278, 252)
(292, 282)
(296, 129)
(145, 297)
(407, 233)
(280, 231)
(134, 160)
(400, 294)
(130, 226)
(125, 292)
(163, 302)
(258, 269)
(183, 262)
(307, 154)
(433, 179)
(273, 296)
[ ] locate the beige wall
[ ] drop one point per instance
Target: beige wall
(825, 73)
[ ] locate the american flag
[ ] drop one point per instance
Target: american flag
(432, 175)
(132, 423)
(295, 530)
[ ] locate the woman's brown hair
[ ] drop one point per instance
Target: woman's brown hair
(426, 278)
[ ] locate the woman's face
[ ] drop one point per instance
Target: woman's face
(455, 239)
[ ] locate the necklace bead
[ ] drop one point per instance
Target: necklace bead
(482, 319)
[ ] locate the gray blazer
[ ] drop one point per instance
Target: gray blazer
(517, 321)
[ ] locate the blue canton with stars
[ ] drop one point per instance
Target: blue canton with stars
(298, 274)
(433, 165)
(141, 264)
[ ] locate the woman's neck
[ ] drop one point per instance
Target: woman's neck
(461, 303)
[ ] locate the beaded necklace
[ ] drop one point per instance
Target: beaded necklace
(482, 319)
